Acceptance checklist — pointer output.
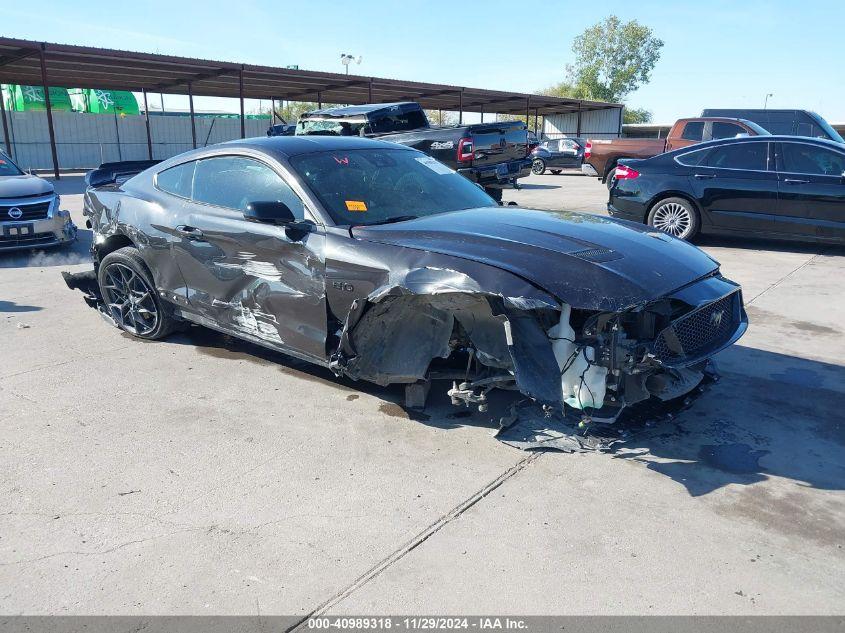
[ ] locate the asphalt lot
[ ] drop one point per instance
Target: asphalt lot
(204, 476)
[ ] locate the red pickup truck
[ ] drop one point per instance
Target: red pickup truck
(601, 155)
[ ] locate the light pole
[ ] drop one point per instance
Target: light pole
(766, 100)
(346, 59)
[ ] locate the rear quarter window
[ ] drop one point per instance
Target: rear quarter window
(693, 159)
(177, 180)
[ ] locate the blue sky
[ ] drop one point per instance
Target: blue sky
(717, 53)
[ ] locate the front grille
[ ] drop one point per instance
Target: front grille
(36, 211)
(699, 332)
(16, 241)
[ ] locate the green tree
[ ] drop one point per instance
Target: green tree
(636, 115)
(612, 59)
(441, 117)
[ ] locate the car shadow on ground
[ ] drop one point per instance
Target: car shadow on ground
(761, 244)
(78, 252)
(770, 415)
(530, 186)
(11, 306)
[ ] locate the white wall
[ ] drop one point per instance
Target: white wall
(83, 141)
(594, 124)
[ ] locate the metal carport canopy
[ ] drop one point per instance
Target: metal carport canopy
(87, 67)
(44, 64)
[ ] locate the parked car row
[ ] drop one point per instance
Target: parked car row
(603, 155)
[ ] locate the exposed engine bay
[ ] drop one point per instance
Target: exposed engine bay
(595, 362)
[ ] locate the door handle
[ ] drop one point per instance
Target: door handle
(704, 176)
(190, 232)
(795, 181)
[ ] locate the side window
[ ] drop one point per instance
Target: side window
(235, 181)
(693, 159)
(726, 130)
(799, 158)
(751, 156)
(177, 180)
(693, 131)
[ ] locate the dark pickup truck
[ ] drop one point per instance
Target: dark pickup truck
(494, 155)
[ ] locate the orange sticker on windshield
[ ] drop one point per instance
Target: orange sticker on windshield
(355, 205)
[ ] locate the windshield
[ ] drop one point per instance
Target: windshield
(832, 134)
(759, 129)
(369, 186)
(7, 167)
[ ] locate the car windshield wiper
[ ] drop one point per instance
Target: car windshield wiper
(398, 218)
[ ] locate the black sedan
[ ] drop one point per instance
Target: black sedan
(379, 262)
(557, 154)
(768, 186)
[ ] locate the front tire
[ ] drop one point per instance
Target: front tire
(538, 166)
(556, 171)
(675, 216)
(610, 178)
(130, 297)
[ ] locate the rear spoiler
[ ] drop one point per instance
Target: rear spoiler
(109, 173)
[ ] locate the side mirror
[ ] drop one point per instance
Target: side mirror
(279, 214)
(270, 212)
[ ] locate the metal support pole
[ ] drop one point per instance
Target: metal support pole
(482, 113)
(272, 110)
(536, 116)
(461, 108)
(527, 109)
(193, 123)
(319, 100)
(49, 113)
(5, 125)
(147, 121)
(370, 90)
(578, 133)
(241, 96)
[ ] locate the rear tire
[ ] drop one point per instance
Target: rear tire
(556, 171)
(610, 178)
(675, 216)
(130, 296)
(538, 166)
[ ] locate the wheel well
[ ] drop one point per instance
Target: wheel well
(611, 164)
(111, 244)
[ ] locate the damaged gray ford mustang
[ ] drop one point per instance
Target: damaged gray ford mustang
(382, 264)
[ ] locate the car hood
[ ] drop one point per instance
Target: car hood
(20, 186)
(587, 261)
